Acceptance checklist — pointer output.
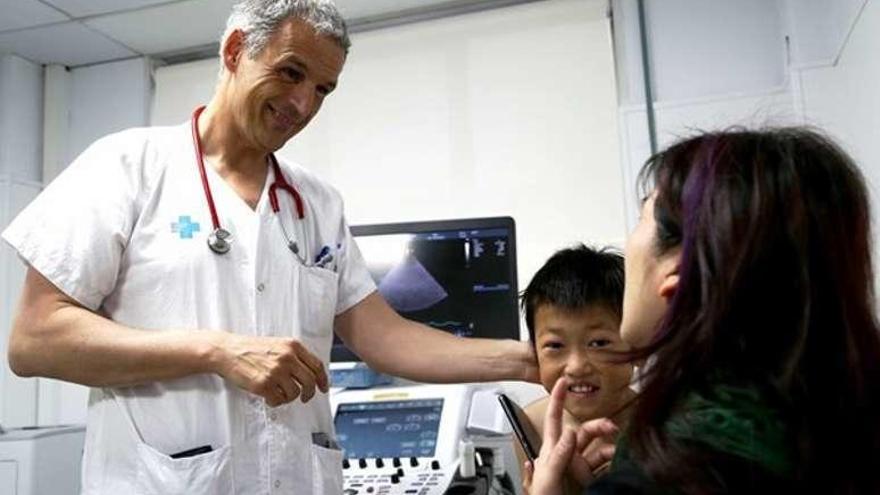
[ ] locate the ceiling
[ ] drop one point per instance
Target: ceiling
(84, 32)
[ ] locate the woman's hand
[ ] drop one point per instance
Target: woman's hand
(577, 452)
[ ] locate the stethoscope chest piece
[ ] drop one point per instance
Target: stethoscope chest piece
(220, 240)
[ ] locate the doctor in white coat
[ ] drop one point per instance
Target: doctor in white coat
(194, 282)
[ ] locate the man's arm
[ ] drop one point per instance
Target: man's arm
(391, 344)
(54, 336)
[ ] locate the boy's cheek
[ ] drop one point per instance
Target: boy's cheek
(549, 372)
(616, 376)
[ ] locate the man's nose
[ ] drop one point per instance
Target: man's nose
(302, 98)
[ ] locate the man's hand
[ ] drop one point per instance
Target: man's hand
(530, 368)
(277, 369)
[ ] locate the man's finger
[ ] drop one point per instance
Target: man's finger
(306, 380)
(286, 389)
(315, 366)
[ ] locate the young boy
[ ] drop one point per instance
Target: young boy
(573, 308)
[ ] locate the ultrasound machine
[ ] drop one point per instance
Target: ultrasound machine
(403, 438)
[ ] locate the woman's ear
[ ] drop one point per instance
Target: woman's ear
(233, 50)
(669, 274)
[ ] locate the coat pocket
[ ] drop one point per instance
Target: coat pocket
(326, 470)
(208, 473)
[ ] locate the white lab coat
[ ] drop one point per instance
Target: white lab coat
(117, 232)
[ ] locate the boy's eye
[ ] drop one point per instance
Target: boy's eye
(552, 345)
(599, 343)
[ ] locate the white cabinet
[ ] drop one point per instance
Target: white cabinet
(41, 461)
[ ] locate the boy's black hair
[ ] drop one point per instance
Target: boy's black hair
(574, 278)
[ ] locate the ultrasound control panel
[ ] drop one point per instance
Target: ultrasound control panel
(401, 440)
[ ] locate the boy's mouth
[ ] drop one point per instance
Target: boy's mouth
(583, 389)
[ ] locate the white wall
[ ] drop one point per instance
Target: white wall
(108, 98)
(759, 62)
(820, 28)
(21, 118)
(844, 99)
(715, 47)
(714, 64)
(505, 112)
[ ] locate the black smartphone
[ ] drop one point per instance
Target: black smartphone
(204, 449)
(528, 437)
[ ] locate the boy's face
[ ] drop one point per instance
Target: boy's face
(570, 343)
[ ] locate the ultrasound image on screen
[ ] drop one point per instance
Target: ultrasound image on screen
(389, 429)
(458, 281)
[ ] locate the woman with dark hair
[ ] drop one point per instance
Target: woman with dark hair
(749, 288)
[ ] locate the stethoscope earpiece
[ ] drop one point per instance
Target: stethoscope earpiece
(220, 240)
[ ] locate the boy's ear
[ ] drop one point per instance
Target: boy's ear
(669, 274)
(233, 50)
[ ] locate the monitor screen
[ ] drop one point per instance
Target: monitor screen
(455, 275)
(406, 428)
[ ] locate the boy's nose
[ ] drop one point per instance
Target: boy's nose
(578, 364)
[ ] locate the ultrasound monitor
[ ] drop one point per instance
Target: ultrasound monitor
(405, 428)
(455, 275)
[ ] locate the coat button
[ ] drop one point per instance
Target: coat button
(261, 287)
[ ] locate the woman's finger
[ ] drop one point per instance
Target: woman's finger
(526, 476)
(580, 470)
(553, 416)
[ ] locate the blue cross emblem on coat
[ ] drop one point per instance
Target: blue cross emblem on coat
(185, 227)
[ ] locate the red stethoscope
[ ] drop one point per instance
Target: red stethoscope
(220, 239)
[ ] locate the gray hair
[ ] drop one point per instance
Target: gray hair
(259, 19)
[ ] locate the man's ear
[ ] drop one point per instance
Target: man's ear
(233, 50)
(669, 273)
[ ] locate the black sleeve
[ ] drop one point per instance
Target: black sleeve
(712, 472)
(626, 480)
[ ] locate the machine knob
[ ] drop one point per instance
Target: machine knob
(345, 463)
(400, 472)
(435, 465)
(396, 462)
(350, 491)
(380, 463)
(413, 462)
(362, 463)
(395, 479)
